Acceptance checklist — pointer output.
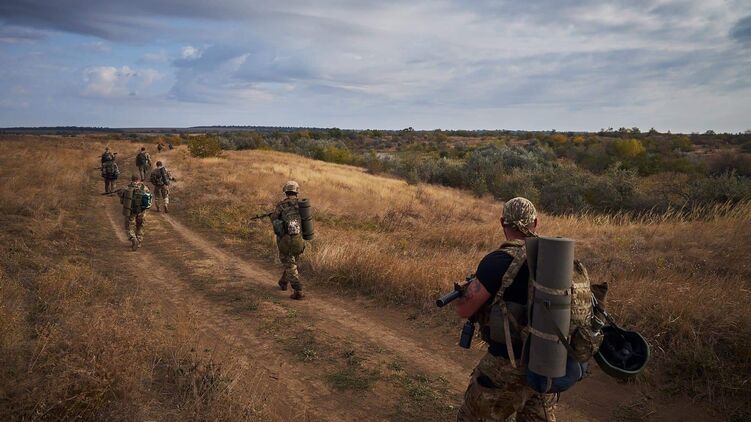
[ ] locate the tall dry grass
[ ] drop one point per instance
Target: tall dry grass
(681, 280)
(76, 341)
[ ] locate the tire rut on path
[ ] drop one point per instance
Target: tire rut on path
(266, 384)
(337, 314)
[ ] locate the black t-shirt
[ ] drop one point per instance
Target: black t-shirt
(490, 274)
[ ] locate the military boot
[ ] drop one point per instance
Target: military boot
(282, 285)
(297, 295)
(166, 211)
(134, 243)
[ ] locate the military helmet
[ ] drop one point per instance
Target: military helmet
(623, 354)
(291, 186)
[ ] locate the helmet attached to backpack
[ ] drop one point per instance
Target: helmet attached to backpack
(623, 354)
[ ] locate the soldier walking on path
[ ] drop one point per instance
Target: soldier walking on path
(136, 199)
(161, 180)
(143, 162)
(110, 171)
(288, 229)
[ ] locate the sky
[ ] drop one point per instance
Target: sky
(683, 66)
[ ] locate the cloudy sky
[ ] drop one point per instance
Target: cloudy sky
(551, 64)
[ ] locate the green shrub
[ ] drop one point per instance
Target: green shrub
(205, 146)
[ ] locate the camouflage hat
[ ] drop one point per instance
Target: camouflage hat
(519, 213)
(291, 186)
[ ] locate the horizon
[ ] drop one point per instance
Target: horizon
(577, 66)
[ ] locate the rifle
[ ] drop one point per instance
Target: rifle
(468, 331)
(459, 289)
(268, 214)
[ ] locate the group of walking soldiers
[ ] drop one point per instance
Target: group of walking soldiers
(136, 199)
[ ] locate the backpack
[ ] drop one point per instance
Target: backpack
(141, 159)
(139, 199)
(508, 323)
(159, 177)
(290, 215)
(110, 171)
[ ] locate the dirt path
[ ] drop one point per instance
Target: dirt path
(327, 357)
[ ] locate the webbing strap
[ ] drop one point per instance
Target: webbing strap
(551, 291)
(545, 336)
(549, 305)
(558, 333)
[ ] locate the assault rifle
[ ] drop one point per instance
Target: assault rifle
(468, 331)
(259, 216)
(459, 289)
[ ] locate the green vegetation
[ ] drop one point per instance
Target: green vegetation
(607, 172)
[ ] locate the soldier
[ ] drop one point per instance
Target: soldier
(107, 155)
(287, 227)
(498, 389)
(161, 179)
(143, 162)
(134, 211)
(110, 173)
(159, 147)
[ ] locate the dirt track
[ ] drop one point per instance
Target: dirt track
(327, 357)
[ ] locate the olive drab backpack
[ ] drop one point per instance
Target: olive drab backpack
(135, 200)
(141, 159)
(159, 177)
(288, 228)
(507, 323)
(110, 170)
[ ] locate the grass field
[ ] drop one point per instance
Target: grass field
(682, 282)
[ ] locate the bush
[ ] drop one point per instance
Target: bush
(205, 146)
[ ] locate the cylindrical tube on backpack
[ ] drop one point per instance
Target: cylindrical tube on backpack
(306, 217)
(551, 306)
(531, 248)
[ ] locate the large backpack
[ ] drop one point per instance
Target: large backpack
(110, 171)
(508, 323)
(135, 200)
(141, 159)
(290, 215)
(160, 177)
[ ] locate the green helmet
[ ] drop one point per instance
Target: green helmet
(623, 354)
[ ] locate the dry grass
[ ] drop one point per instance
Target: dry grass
(683, 281)
(76, 340)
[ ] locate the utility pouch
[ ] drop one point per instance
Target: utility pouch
(517, 314)
(278, 225)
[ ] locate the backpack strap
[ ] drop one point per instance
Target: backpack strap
(516, 250)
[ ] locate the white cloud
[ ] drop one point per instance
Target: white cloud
(113, 82)
(189, 52)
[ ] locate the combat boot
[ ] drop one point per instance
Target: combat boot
(134, 243)
(297, 295)
(282, 285)
(166, 211)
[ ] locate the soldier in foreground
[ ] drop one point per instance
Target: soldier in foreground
(136, 199)
(288, 229)
(161, 180)
(499, 386)
(143, 162)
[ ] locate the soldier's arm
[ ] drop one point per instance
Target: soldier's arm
(472, 300)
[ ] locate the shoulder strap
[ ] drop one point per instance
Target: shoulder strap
(517, 251)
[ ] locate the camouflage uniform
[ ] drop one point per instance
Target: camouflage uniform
(144, 169)
(497, 389)
(290, 248)
(134, 219)
(161, 190)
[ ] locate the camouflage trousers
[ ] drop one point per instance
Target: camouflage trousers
(497, 391)
(144, 171)
(134, 225)
(290, 275)
(161, 195)
(109, 185)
